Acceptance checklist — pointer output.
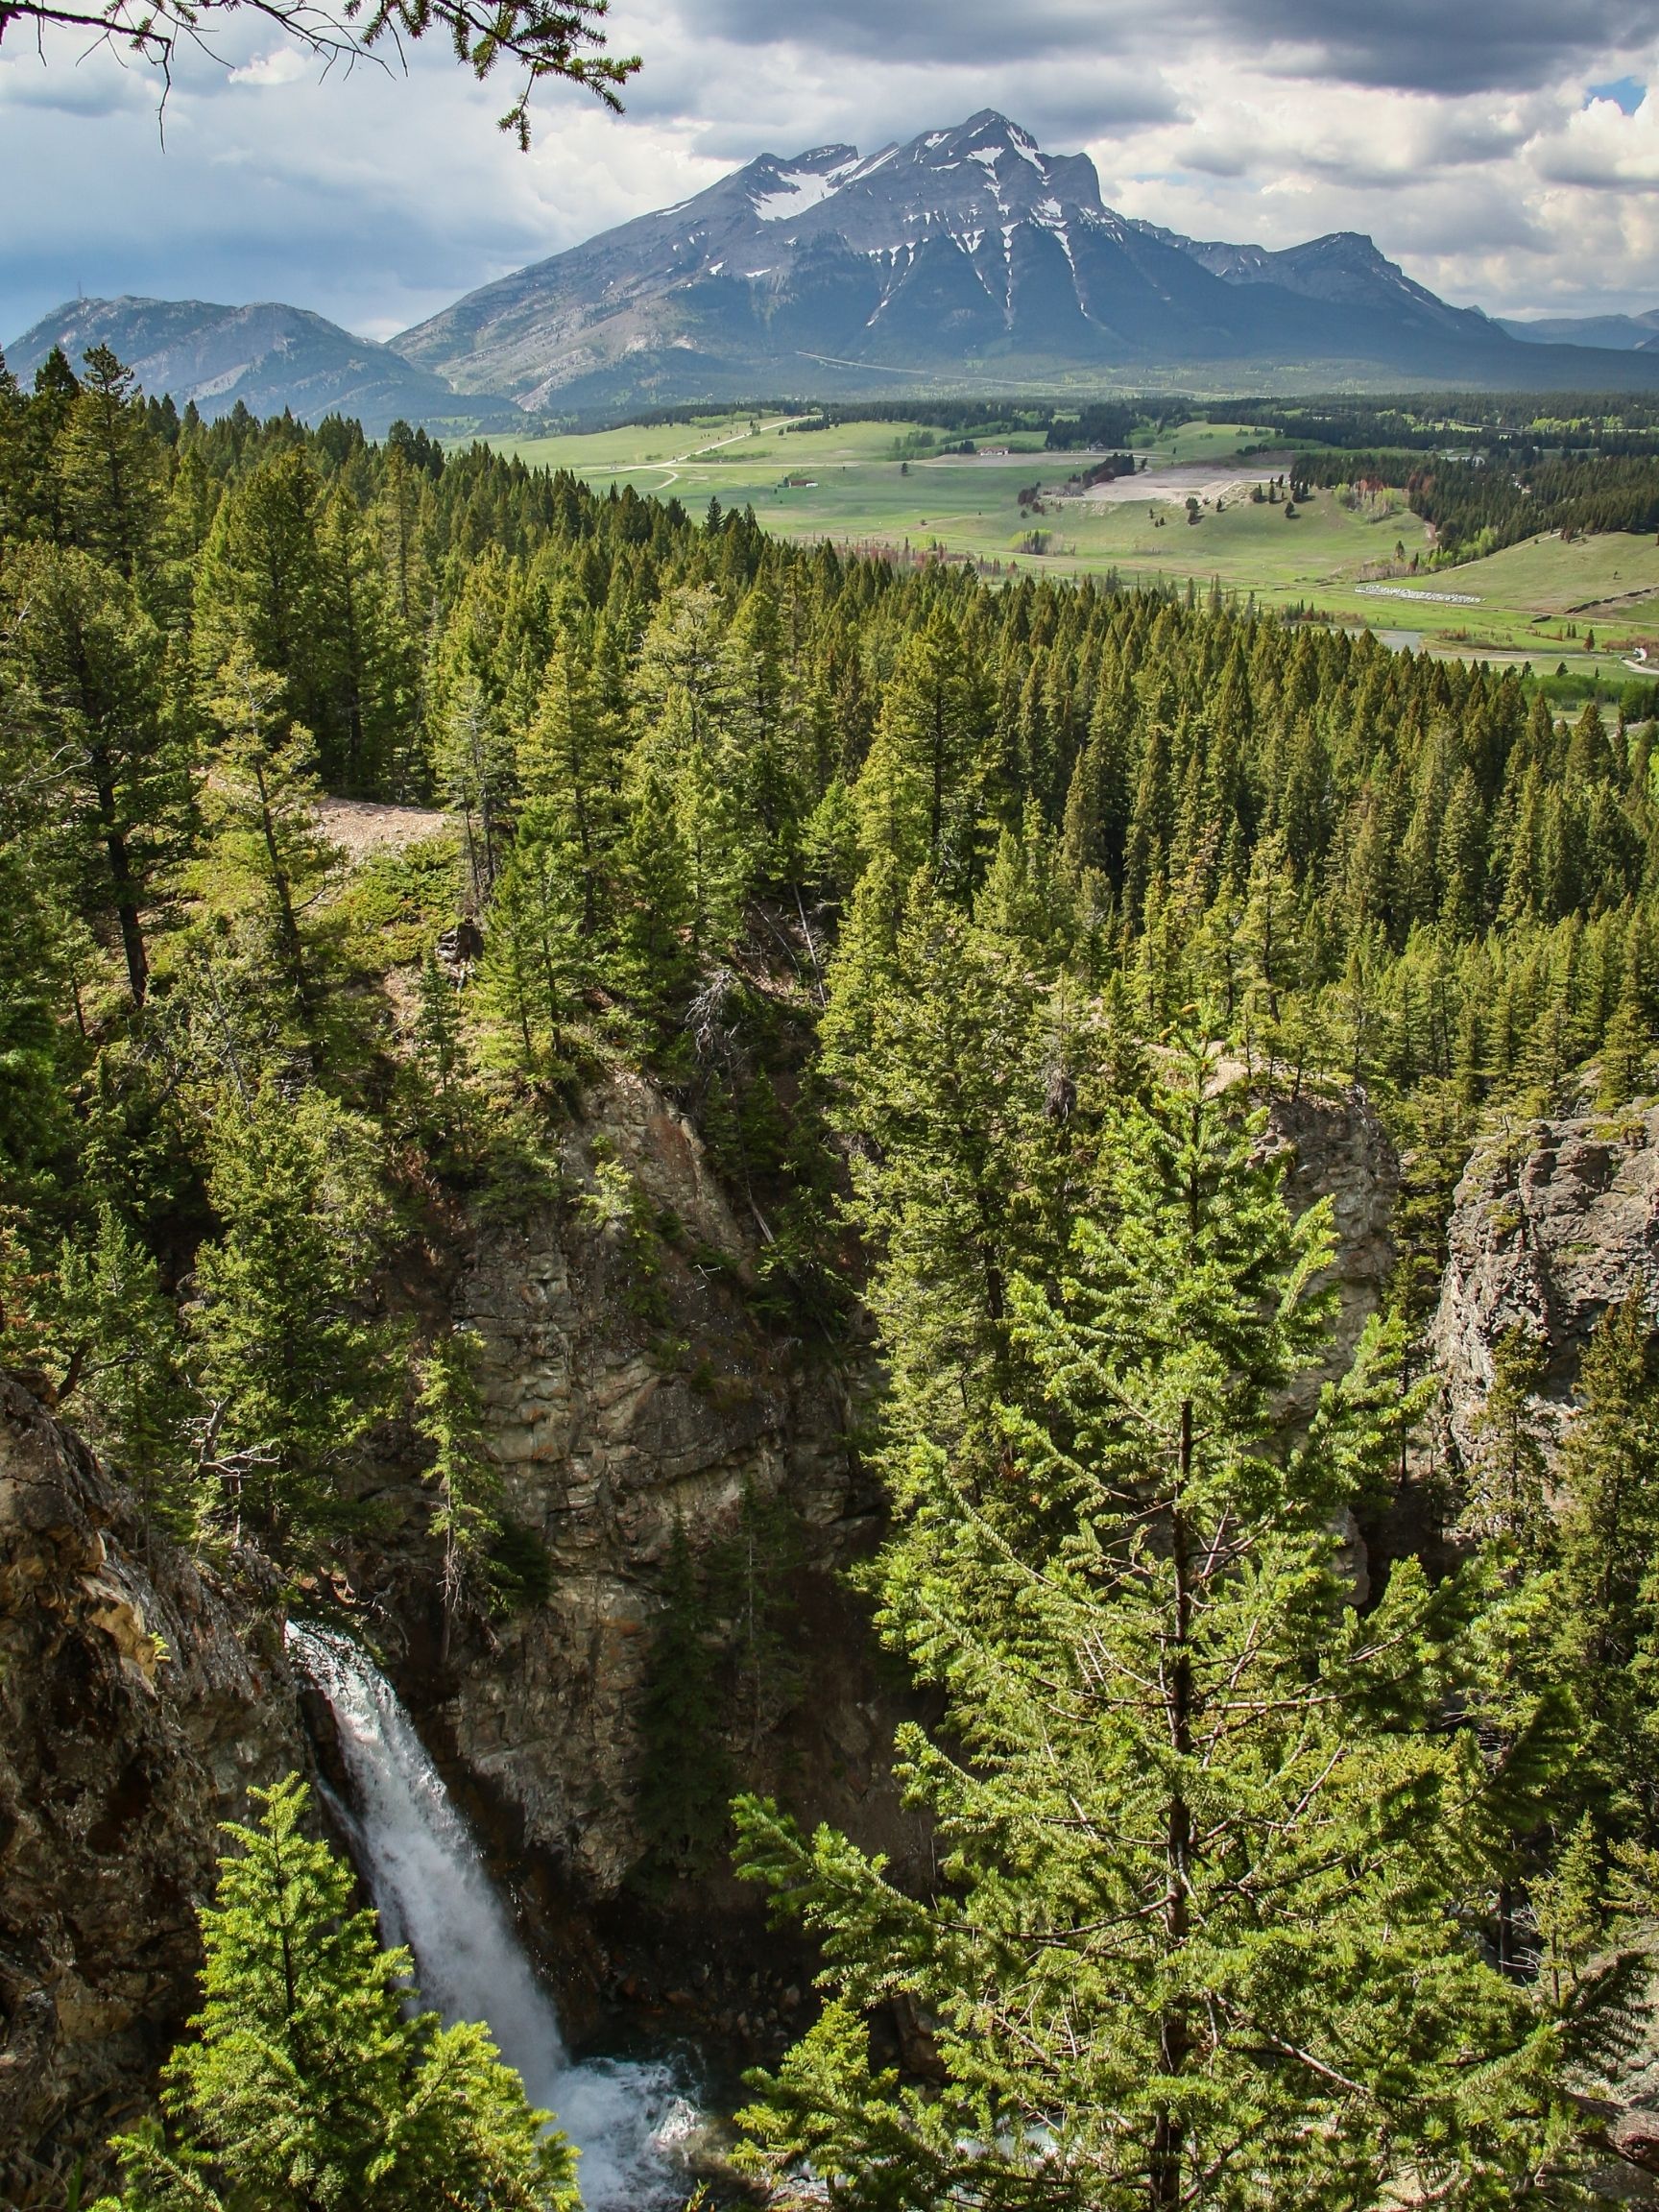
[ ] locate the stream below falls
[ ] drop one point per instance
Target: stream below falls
(626, 2116)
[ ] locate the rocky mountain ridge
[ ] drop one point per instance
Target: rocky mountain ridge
(1623, 333)
(266, 357)
(966, 252)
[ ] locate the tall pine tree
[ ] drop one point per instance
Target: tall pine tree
(1206, 1850)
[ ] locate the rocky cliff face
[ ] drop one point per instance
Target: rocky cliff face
(139, 1698)
(630, 1386)
(1339, 1150)
(1336, 1149)
(1554, 1222)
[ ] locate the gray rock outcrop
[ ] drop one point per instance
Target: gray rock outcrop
(629, 1385)
(1554, 1222)
(1340, 1150)
(139, 1698)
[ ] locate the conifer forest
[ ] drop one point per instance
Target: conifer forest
(977, 930)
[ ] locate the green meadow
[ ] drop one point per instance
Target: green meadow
(1592, 604)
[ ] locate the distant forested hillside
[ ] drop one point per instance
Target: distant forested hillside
(1485, 471)
(1479, 506)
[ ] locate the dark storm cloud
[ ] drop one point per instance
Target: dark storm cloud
(1426, 46)
(958, 32)
(1411, 45)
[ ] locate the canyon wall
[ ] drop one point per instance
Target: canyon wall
(1554, 1222)
(139, 1698)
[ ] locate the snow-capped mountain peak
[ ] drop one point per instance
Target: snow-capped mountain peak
(963, 247)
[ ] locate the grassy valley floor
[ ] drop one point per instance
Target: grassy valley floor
(1592, 604)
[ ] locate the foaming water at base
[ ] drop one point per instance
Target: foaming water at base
(433, 1893)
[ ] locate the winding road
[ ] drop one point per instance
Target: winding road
(669, 469)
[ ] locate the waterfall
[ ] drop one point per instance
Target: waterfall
(433, 1893)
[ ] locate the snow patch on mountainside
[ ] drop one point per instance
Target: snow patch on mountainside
(801, 188)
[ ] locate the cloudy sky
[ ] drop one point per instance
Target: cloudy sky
(1505, 151)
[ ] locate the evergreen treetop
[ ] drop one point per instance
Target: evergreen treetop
(306, 2083)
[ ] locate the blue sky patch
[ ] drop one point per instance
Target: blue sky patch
(1624, 92)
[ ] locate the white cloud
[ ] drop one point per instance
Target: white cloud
(1604, 148)
(1479, 163)
(282, 66)
(102, 84)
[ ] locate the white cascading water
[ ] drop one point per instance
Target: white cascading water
(432, 1892)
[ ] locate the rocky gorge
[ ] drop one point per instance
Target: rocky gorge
(634, 1387)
